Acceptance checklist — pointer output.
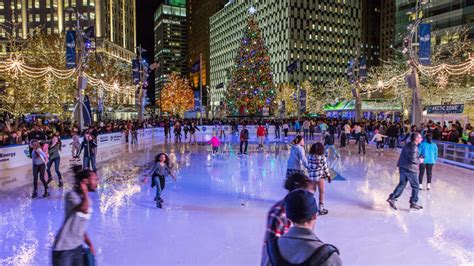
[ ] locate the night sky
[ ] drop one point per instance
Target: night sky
(145, 11)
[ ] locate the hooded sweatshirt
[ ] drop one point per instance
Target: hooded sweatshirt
(297, 159)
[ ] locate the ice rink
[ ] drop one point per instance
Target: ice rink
(215, 214)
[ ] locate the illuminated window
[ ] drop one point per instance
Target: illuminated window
(37, 18)
(55, 17)
(2, 18)
(37, 4)
(2, 5)
(48, 17)
(84, 2)
(73, 3)
(48, 3)
(92, 15)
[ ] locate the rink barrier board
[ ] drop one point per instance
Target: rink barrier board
(16, 156)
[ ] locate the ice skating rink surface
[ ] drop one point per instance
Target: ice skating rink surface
(215, 214)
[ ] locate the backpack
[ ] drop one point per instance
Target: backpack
(319, 256)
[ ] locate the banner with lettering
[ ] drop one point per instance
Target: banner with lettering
(425, 44)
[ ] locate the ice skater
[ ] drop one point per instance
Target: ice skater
(408, 164)
(363, 139)
(163, 167)
(215, 143)
(261, 135)
(379, 138)
(39, 160)
(54, 152)
(244, 140)
(75, 147)
(89, 145)
(297, 162)
(429, 152)
(329, 145)
(318, 171)
(192, 132)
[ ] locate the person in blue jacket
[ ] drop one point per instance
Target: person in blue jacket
(429, 151)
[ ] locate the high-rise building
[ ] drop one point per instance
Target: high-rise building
(170, 42)
(442, 15)
(113, 21)
(321, 36)
(198, 14)
(387, 28)
(370, 27)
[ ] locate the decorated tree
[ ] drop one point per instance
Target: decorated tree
(332, 92)
(286, 100)
(251, 87)
(30, 92)
(177, 96)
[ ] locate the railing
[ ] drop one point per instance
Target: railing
(457, 154)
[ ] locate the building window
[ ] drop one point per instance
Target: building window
(30, 17)
(37, 18)
(48, 17)
(55, 17)
(48, 3)
(2, 18)
(2, 5)
(73, 3)
(84, 2)
(37, 4)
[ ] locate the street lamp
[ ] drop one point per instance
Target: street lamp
(81, 80)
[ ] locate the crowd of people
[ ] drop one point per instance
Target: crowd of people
(291, 221)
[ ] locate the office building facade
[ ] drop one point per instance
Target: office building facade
(321, 36)
(113, 21)
(370, 28)
(443, 15)
(170, 42)
(387, 28)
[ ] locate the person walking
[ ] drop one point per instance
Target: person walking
(300, 246)
(347, 134)
(186, 130)
(244, 140)
(75, 146)
(297, 162)
(39, 160)
(90, 147)
(54, 150)
(329, 145)
(429, 151)
(362, 139)
(312, 129)
(260, 135)
(177, 132)
(408, 165)
(67, 247)
(160, 170)
(318, 171)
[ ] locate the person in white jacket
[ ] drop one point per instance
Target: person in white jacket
(379, 139)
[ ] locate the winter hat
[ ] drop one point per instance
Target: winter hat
(300, 204)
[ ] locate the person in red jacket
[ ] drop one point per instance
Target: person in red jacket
(260, 135)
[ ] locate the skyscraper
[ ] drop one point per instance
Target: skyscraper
(113, 21)
(318, 36)
(370, 27)
(170, 42)
(198, 14)
(387, 28)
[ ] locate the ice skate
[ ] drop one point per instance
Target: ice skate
(391, 202)
(46, 194)
(428, 186)
(415, 207)
(34, 195)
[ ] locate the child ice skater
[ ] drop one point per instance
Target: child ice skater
(163, 167)
(379, 139)
(215, 143)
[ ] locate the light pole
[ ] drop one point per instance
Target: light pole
(142, 89)
(81, 80)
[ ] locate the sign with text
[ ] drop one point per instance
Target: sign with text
(445, 109)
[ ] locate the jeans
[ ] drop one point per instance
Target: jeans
(333, 150)
(277, 133)
(72, 257)
(392, 142)
(242, 142)
(88, 161)
(311, 134)
(38, 170)
(380, 144)
(405, 177)
(362, 146)
(306, 133)
(215, 149)
(56, 162)
(286, 132)
(159, 181)
(429, 172)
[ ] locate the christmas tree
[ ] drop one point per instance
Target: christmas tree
(251, 87)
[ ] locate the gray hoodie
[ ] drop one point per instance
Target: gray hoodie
(297, 159)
